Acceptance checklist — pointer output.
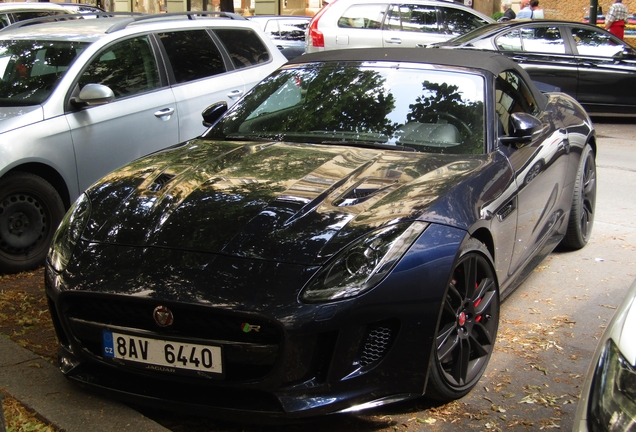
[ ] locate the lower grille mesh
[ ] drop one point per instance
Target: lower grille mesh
(377, 342)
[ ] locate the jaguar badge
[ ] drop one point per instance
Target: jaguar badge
(163, 316)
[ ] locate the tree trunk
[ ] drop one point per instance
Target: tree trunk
(227, 5)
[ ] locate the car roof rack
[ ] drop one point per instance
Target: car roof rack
(66, 17)
(191, 15)
(133, 17)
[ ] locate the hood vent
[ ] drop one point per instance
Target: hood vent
(160, 182)
(363, 190)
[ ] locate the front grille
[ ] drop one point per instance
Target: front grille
(247, 355)
(377, 342)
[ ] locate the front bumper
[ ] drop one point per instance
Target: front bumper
(306, 360)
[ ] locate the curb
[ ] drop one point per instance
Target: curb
(42, 388)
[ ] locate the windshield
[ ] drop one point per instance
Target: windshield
(428, 110)
(30, 70)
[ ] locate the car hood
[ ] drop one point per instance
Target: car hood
(17, 117)
(295, 203)
(622, 329)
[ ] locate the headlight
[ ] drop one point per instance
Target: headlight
(69, 232)
(363, 264)
(613, 399)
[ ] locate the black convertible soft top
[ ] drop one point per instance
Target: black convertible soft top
(486, 61)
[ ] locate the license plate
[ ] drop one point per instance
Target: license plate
(157, 352)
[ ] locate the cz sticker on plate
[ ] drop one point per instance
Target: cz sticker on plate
(178, 355)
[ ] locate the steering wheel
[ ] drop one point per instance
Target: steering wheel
(452, 118)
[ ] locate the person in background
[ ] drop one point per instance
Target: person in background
(616, 18)
(509, 14)
(526, 10)
(537, 12)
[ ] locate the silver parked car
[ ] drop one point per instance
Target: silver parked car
(80, 98)
(382, 23)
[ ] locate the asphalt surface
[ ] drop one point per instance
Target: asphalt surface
(548, 331)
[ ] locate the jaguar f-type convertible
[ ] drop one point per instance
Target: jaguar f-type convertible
(339, 239)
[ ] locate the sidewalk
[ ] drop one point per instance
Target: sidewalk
(41, 387)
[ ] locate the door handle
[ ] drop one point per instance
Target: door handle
(394, 41)
(235, 94)
(164, 114)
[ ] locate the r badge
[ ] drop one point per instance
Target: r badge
(249, 327)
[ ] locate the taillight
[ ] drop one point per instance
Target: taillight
(315, 35)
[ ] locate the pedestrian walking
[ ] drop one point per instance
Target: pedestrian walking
(616, 18)
(526, 10)
(537, 12)
(509, 14)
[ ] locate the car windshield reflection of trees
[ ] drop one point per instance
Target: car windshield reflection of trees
(352, 104)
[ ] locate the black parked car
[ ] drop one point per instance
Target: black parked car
(339, 239)
(582, 60)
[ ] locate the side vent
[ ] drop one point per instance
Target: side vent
(377, 342)
(363, 190)
(160, 182)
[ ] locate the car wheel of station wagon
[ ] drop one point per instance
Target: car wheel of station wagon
(583, 202)
(468, 326)
(30, 211)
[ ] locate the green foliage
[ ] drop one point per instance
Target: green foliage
(497, 15)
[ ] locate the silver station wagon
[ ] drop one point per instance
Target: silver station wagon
(80, 98)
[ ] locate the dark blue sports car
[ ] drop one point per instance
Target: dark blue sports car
(339, 239)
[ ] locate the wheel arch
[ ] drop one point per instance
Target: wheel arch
(592, 143)
(50, 175)
(484, 236)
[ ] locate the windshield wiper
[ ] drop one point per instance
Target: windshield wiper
(368, 144)
(249, 138)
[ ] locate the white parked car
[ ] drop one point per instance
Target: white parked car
(608, 396)
(19, 11)
(80, 98)
(382, 23)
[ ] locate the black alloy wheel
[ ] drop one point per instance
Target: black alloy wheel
(30, 211)
(583, 203)
(468, 326)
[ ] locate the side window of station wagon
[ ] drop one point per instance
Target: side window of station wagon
(193, 55)
(128, 68)
(244, 46)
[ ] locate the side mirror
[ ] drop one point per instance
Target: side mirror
(523, 128)
(94, 94)
(214, 112)
(626, 53)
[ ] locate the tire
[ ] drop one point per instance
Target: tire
(583, 203)
(467, 328)
(30, 211)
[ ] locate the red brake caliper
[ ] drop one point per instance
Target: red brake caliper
(478, 317)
